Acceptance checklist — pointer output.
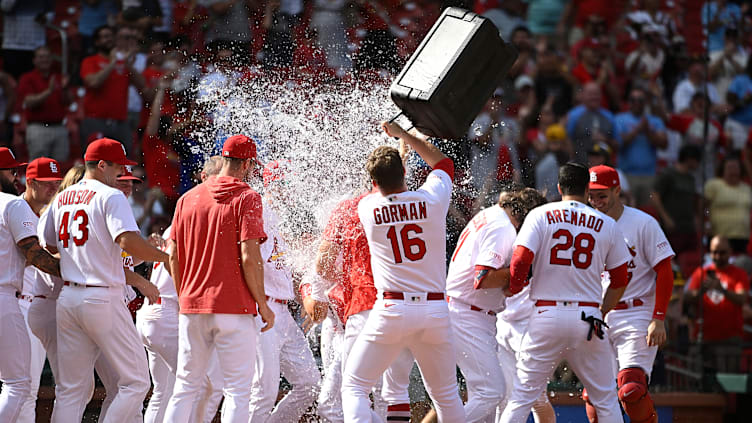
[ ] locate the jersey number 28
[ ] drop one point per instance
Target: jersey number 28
(79, 230)
(408, 243)
(582, 253)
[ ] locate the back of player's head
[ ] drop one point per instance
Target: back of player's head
(212, 166)
(384, 166)
(573, 179)
(521, 202)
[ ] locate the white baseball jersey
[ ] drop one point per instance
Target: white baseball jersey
(648, 246)
(30, 272)
(573, 243)
(17, 222)
(277, 274)
(399, 227)
(83, 221)
(44, 283)
(160, 278)
(486, 241)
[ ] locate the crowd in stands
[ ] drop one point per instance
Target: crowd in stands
(660, 89)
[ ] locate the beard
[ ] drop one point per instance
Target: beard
(9, 187)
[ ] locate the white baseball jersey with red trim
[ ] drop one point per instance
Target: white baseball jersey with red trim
(648, 246)
(403, 224)
(573, 243)
(83, 221)
(486, 241)
(17, 222)
(159, 276)
(277, 274)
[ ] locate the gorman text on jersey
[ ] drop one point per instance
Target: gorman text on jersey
(394, 213)
(572, 217)
(83, 196)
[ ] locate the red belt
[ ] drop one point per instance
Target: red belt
(543, 303)
(472, 307)
(431, 296)
(41, 296)
(24, 297)
(268, 298)
(83, 285)
(622, 305)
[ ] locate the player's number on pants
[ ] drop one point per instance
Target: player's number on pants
(408, 243)
(582, 254)
(79, 228)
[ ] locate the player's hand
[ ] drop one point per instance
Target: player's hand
(157, 241)
(315, 309)
(267, 316)
(393, 130)
(656, 333)
(150, 291)
(307, 323)
(508, 292)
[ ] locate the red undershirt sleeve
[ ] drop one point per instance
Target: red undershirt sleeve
(447, 165)
(664, 285)
(519, 268)
(619, 277)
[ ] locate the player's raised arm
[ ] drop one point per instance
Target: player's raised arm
(427, 151)
(134, 244)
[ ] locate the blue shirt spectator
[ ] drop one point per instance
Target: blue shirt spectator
(717, 16)
(741, 87)
(589, 124)
(639, 156)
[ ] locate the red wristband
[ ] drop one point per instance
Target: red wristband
(305, 291)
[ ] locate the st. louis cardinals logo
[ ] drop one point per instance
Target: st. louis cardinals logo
(277, 256)
(53, 167)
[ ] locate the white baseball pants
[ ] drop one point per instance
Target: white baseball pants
(330, 397)
(558, 333)
(94, 322)
(234, 337)
(283, 349)
(14, 356)
(627, 331)
(43, 324)
(419, 325)
(36, 365)
(475, 343)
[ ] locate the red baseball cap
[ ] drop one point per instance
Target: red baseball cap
(8, 160)
(44, 169)
(239, 147)
(108, 150)
(603, 177)
(128, 175)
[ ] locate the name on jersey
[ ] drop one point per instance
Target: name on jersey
(572, 217)
(394, 213)
(83, 196)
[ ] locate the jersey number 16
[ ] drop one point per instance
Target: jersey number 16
(79, 234)
(412, 254)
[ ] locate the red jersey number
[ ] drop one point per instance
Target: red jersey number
(81, 232)
(414, 248)
(582, 253)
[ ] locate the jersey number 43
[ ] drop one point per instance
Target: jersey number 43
(78, 231)
(581, 245)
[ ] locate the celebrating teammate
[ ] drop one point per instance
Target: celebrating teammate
(568, 245)
(406, 232)
(478, 270)
(90, 223)
(635, 325)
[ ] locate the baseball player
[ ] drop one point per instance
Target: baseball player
(42, 181)
(283, 349)
(18, 245)
(568, 244)
(406, 232)
(216, 263)
(478, 269)
(90, 223)
(635, 325)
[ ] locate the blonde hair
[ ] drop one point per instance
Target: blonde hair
(74, 175)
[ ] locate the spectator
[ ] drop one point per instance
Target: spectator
(691, 85)
(729, 202)
(23, 32)
(640, 135)
(553, 81)
(229, 21)
(677, 202)
(128, 39)
(739, 97)
(547, 169)
(645, 64)
(718, 291)
(161, 161)
(280, 20)
(589, 123)
(545, 17)
(45, 97)
(717, 17)
(106, 76)
(95, 13)
(329, 22)
(525, 63)
(7, 104)
(652, 17)
(595, 66)
(725, 64)
(507, 15)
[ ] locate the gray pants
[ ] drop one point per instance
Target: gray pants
(116, 129)
(44, 140)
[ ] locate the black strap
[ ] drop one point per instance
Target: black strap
(596, 326)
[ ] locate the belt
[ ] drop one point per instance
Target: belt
(41, 296)
(83, 285)
(472, 307)
(623, 305)
(24, 297)
(543, 303)
(278, 301)
(431, 296)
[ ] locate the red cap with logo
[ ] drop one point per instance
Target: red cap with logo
(8, 160)
(603, 177)
(108, 150)
(44, 169)
(128, 175)
(239, 147)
